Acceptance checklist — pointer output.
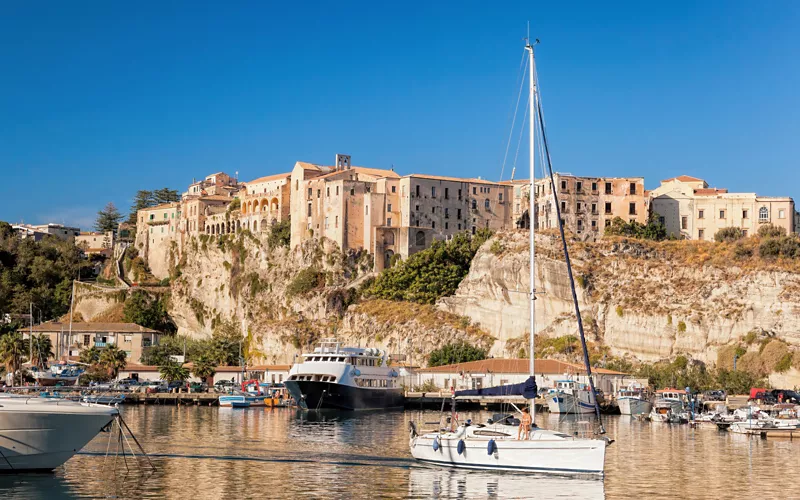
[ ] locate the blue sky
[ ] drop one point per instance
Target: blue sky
(98, 100)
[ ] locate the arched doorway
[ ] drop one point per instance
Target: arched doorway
(387, 259)
(420, 239)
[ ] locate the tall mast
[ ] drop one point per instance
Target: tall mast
(71, 305)
(532, 204)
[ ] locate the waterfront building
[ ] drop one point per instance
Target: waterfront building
(497, 372)
(129, 337)
(690, 209)
(273, 374)
(589, 204)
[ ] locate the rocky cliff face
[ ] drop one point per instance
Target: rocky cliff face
(646, 300)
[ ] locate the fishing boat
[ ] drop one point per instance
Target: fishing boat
(634, 400)
(668, 406)
(250, 395)
(569, 396)
(499, 443)
(39, 434)
(344, 378)
(57, 375)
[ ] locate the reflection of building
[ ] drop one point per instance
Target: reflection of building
(39, 231)
(496, 372)
(273, 374)
(129, 337)
(690, 209)
(589, 204)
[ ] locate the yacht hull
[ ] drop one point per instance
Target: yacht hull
(41, 440)
(634, 406)
(327, 395)
(582, 457)
(562, 402)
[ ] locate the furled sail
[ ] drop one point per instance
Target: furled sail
(527, 389)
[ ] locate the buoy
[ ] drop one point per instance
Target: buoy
(492, 448)
(436, 444)
(461, 446)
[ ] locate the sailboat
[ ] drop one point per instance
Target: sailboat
(497, 444)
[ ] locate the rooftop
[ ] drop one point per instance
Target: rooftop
(684, 178)
(497, 365)
(268, 178)
(454, 179)
(57, 326)
(376, 172)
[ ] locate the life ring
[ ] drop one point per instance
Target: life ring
(436, 444)
(461, 446)
(492, 447)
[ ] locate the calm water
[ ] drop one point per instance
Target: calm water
(203, 452)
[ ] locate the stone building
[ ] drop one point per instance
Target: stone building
(690, 209)
(95, 243)
(589, 204)
(265, 201)
(218, 184)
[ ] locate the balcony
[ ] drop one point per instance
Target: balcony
(101, 344)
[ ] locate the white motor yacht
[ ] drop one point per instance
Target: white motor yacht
(668, 406)
(39, 434)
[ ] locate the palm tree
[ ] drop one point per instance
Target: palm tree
(113, 359)
(172, 371)
(204, 368)
(90, 356)
(12, 351)
(42, 349)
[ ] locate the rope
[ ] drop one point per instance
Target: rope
(521, 79)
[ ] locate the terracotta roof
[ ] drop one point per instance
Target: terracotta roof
(684, 178)
(161, 206)
(454, 179)
(55, 326)
(270, 178)
(709, 191)
(308, 166)
(496, 365)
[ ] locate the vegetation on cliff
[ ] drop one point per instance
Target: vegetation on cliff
(432, 273)
(456, 352)
(653, 230)
(149, 311)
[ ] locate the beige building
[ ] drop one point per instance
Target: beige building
(96, 243)
(129, 337)
(39, 231)
(690, 209)
(589, 204)
(157, 224)
(265, 201)
(218, 184)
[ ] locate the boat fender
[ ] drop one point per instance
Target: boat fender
(436, 444)
(461, 446)
(492, 447)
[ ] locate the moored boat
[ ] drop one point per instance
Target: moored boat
(668, 406)
(570, 397)
(634, 400)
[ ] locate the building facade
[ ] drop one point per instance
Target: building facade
(94, 243)
(39, 231)
(589, 204)
(689, 209)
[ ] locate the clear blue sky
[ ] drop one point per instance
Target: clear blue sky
(100, 99)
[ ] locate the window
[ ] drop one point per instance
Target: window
(763, 214)
(563, 206)
(662, 221)
(594, 186)
(700, 234)
(296, 185)
(433, 210)
(420, 239)
(594, 224)
(781, 214)
(473, 229)
(744, 233)
(446, 213)
(474, 204)
(368, 188)
(310, 192)
(578, 186)
(684, 222)
(309, 209)
(389, 221)
(417, 191)
(446, 193)
(580, 225)
(459, 226)
(394, 189)
(486, 204)
(632, 208)
(337, 190)
(578, 207)
(433, 224)
(700, 214)
(366, 209)
(563, 185)
(86, 340)
(633, 188)
(152, 216)
(433, 191)
(389, 207)
(352, 191)
(447, 225)
(608, 188)
(417, 208)
(474, 190)
(336, 221)
(722, 214)
(459, 195)
(594, 208)
(327, 192)
(458, 214)
(500, 197)
(608, 222)
(745, 214)
(608, 207)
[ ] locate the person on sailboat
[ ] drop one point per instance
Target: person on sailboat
(525, 425)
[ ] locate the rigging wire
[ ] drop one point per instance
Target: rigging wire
(521, 79)
(521, 133)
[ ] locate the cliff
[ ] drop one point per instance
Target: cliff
(642, 299)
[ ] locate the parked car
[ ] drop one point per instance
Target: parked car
(718, 395)
(224, 385)
(175, 385)
(126, 384)
(100, 386)
(198, 386)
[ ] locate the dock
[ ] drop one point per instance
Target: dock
(434, 400)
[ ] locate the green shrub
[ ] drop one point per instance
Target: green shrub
(497, 248)
(727, 234)
(790, 247)
(280, 234)
(456, 352)
(305, 281)
(751, 337)
(669, 319)
(653, 230)
(620, 312)
(432, 273)
(681, 326)
(769, 248)
(785, 363)
(742, 251)
(771, 231)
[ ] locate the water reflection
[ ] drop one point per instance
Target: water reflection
(456, 483)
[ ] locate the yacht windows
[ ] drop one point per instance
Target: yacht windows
(490, 433)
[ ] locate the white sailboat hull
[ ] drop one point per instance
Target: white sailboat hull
(40, 434)
(561, 456)
(564, 402)
(634, 406)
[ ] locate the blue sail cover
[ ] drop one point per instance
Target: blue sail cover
(527, 389)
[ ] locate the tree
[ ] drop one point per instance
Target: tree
(456, 352)
(42, 349)
(13, 349)
(90, 356)
(172, 371)
(165, 195)
(728, 234)
(112, 359)
(147, 311)
(141, 200)
(108, 218)
(653, 230)
(771, 231)
(204, 368)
